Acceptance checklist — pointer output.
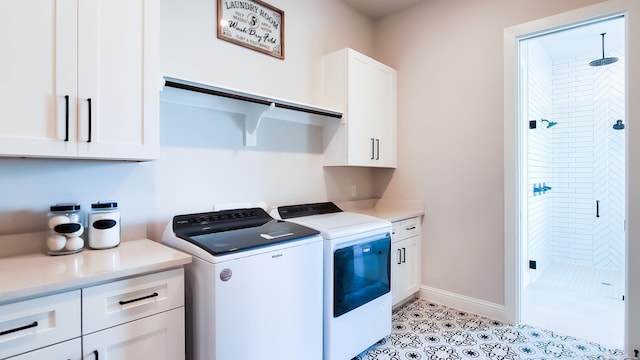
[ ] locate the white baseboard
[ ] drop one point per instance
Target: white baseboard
(462, 302)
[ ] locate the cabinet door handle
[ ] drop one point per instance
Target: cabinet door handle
(404, 255)
(410, 228)
(597, 208)
(66, 118)
(89, 102)
(377, 149)
(373, 148)
(399, 256)
(95, 352)
(124, 302)
(25, 327)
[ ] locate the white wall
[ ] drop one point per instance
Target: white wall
(201, 162)
(448, 54)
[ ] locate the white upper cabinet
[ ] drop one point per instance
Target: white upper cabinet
(82, 79)
(365, 90)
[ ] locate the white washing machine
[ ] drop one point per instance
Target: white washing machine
(357, 275)
(254, 288)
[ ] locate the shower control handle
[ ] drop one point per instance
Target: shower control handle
(597, 208)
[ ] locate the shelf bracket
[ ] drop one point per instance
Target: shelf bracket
(252, 122)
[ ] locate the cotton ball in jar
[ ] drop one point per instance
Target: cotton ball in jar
(56, 242)
(74, 243)
(58, 220)
(74, 218)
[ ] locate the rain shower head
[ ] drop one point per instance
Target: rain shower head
(604, 60)
(549, 123)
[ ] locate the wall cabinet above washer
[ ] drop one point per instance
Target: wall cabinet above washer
(365, 90)
(83, 78)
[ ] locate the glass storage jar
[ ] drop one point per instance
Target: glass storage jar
(66, 226)
(104, 225)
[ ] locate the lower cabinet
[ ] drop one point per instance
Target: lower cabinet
(155, 337)
(136, 318)
(405, 259)
(39, 323)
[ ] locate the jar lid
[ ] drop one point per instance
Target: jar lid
(105, 205)
(65, 207)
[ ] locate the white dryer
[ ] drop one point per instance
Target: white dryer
(357, 275)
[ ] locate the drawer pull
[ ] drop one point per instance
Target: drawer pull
(32, 325)
(411, 228)
(124, 302)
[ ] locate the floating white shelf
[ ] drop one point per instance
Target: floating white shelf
(254, 107)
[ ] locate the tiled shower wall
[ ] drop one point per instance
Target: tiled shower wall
(585, 160)
(588, 164)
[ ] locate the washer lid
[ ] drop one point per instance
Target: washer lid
(222, 232)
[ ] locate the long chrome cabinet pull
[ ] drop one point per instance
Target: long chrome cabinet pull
(124, 302)
(404, 255)
(399, 256)
(89, 102)
(32, 325)
(66, 118)
(377, 149)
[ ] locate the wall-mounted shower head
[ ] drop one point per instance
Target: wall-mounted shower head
(549, 123)
(618, 125)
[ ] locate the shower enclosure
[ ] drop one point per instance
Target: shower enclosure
(574, 162)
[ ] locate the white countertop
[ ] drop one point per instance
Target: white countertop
(39, 274)
(392, 210)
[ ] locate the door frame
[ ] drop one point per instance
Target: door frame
(513, 142)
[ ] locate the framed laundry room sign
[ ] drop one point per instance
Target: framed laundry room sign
(253, 24)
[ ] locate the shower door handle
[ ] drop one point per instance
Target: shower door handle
(597, 208)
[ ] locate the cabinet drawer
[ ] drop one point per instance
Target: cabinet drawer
(410, 227)
(32, 324)
(121, 301)
(405, 229)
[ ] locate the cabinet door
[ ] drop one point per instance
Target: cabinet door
(384, 116)
(118, 79)
(38, 69)
(396, 272)
(410, 267)
(155, 337)
(68, 350)
(361, 148)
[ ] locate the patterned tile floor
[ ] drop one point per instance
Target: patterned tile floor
(424, 330)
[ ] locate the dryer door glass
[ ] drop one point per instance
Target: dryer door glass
(361, 273)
